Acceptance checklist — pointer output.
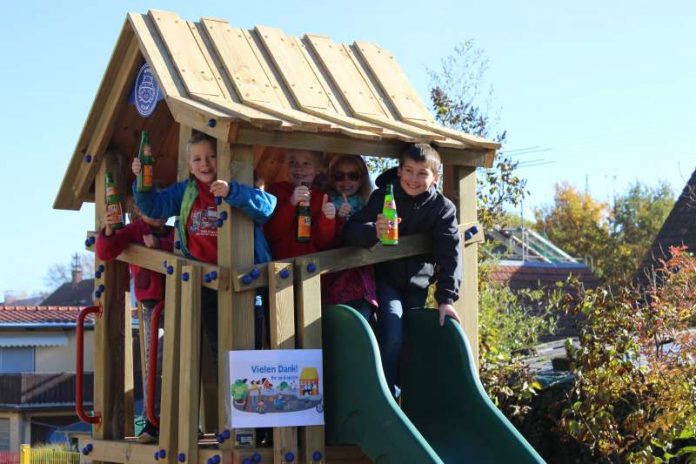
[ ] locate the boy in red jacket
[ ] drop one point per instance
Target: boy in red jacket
(148, 285)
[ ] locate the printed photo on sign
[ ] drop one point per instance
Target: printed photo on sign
(276, 388)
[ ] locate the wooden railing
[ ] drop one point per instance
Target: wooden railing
(341, 259)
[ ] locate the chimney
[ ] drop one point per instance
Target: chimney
(76, 270)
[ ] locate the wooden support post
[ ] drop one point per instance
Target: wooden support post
(235, 249)
(129, 382)
(282, 315)
(208, 387)
(109, 335)
(467, 305)
(169, 403)
(189, 392)
(308, 299)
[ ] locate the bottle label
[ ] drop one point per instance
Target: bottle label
(114, 209)
(304, 227)
(111, 191)
(147, 175)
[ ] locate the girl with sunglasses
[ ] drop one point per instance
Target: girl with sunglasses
(349, 187)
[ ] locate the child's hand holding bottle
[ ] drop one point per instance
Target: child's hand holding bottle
(136, 166)
(300, 194)
(110, 219)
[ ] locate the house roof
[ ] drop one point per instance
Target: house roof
(71, 294)
(10, 315)
(678, 229)
(261, 86)
(526, 274)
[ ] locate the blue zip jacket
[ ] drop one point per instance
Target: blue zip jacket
(253, 202)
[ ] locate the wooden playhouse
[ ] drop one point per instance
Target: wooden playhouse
(252, 90)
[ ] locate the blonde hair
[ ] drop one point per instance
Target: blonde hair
(366, 186)
(200, 137)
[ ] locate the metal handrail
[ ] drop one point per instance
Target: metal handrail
(152, 365)
(79, 374)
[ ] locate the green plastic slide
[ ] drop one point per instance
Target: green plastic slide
(446, 416)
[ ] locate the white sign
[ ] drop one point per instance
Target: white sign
(276, 388)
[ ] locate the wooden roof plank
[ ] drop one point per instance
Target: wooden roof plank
(350, 83)
(194, 70)
(66, 198)
(467, 139)
(235, 111)
(264, 59)
(288, 59)
(240, 63)
(393, 81)
(204, 46)
(105, 123)
(156, 55)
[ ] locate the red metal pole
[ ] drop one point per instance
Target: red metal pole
(152, 365)
(79, 374)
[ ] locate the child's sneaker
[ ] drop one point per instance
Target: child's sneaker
(149, 434)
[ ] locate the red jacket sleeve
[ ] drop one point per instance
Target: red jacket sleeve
(108, 248)
(167, 243)
(283, 217)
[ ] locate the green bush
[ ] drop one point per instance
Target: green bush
(634, 398)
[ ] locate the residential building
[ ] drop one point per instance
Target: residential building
(37, 372)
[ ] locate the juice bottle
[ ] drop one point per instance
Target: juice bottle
(389, 212)
(113, 201)
(303, 218)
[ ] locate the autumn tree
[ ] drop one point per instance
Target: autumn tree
(635, 220)
(578, 224)
(612, 238)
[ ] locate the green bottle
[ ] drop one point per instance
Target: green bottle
(389, 212)
(113, 201)
(145, 179)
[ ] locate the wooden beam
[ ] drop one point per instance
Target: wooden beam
(190, 346)
(308, 304)
(341, 259)
(282, 315)
(66, 198)
(197, 115)
(467, 304)
(169, 403)
(109, 336)
(108, 111)
(338, 143)
(235, 248)
(129, 452)
(152, 259)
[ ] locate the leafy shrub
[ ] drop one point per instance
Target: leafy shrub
(634, 399)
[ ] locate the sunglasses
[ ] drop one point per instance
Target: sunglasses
(339, 176)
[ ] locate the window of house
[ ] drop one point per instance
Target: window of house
(4, 434)
(16, 359)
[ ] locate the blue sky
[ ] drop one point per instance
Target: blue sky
(605, 89)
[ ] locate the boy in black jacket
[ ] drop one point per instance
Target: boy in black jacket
(403, 284)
